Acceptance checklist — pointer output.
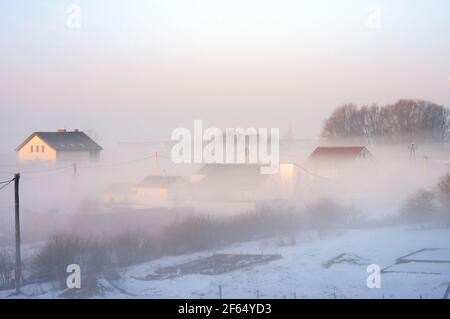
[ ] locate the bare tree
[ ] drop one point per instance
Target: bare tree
(403, 121)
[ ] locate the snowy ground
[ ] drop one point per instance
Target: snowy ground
(332, 266)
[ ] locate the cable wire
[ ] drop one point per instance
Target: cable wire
(118, 163)
(7, 183)
(312, 173)
(56, 169)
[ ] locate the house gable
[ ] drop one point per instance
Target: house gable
(35, 148)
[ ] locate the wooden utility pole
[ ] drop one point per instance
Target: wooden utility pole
(18, 270)
(412, 152)
(75, 169)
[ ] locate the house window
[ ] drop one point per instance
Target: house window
(37, 148)
(31, 149)
(42, 148)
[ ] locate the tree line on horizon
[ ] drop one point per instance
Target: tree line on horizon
(405, 121)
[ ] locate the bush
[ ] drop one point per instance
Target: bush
(265, 222)
(92, 255)
(419, 207)
(6, 269)
(58, 252)
(197, 233)
(325, 214)
(444, 190)
(444, 196)
(130, 247)
(191, 234)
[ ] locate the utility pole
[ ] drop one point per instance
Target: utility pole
(158, 168)
(412, 152)
(75, 169)
(18, 270)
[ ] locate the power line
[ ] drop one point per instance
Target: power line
(312, 173)
(59, 169)
(46, 170)
(118, 163)
(6, 183)
(40, 177)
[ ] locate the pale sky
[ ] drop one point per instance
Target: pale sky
(137, 69)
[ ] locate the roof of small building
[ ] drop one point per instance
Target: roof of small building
(237, 176)
(229, 168)
(160, 181)
(65, 141)
(335, 153)
(121, 188)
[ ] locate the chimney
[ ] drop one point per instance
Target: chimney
(61, 130)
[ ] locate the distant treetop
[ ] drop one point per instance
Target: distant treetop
(404, 121)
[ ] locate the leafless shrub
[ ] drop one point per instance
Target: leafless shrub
(444, 190)
(53, 259)
(354, 217)
(419, 207)
(92, 255)
(6, 269)
(325, 213)
(264, 222)
(62, 250)
(444, 196)
(197, 233)
(191, 234)
(131, 247)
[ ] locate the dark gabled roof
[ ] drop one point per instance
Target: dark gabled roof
(335, 152)
(157, 181)
(65, 141)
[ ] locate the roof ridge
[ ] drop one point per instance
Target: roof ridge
(65, 141)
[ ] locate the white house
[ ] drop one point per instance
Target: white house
(237, 188)
(60, 146)
(332, 161)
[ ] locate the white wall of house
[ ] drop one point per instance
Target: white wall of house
(152, 197)
(37, 150)
(73, 156)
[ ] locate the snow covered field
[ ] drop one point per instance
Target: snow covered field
(317, 266)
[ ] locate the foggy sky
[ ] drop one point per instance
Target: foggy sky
(138, 69)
